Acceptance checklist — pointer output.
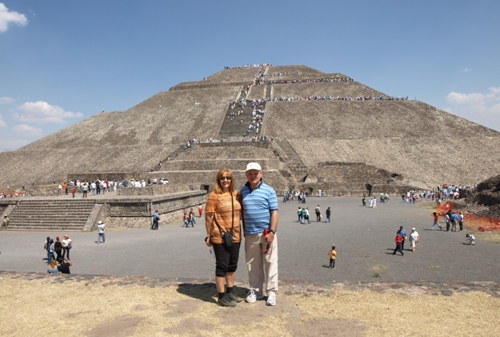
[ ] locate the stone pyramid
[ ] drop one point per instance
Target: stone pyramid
(322, 131)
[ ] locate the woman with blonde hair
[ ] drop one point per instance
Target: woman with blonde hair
(222, 222)
(53, 267)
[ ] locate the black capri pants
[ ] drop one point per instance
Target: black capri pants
(226, 259)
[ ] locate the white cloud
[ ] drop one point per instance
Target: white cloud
(6, 100)
(7, 17)
(11, 144)
(2, 122)
(42, 112)
(482, 108)
(466, 70)
(27, 130)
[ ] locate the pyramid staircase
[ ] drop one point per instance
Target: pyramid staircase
(67, 215)
(235, 128)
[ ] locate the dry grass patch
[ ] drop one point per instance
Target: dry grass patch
(394, 314)
(105, 308)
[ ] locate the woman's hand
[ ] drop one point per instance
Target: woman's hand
(208, 242)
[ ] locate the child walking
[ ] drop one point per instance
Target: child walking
(332, 254)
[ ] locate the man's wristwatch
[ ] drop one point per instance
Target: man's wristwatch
(272, 231)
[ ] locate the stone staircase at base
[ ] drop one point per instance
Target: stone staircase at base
(67, 215)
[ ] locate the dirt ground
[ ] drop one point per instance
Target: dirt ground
(36, 304)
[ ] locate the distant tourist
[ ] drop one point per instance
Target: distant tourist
(63, 267)
(317, 210)
(436, 221)
(461, 221)
(67, 244)
(100, 230)
(399, 241)
(58, 249)
(333, 255)
(5, 221)
(404, 235)
(470, 239)
(53, 267)
(414, 238)
(156, 220)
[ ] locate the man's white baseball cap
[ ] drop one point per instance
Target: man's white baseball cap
(253, 166)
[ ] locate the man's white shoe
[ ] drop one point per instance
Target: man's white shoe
(252, 297)
(271, 298)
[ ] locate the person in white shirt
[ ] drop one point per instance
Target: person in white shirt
(100, 231)
(414, 238)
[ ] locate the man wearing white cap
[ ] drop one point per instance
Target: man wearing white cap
(260, 221)
(100, 230)
(414, 238)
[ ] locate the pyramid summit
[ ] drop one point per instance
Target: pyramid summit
(308, 129)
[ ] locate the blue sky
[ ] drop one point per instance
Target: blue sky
(64, 61)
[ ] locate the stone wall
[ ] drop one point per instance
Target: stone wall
(47, 191)
(137, 212)
(150, 190)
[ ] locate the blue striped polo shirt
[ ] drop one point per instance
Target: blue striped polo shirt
(257, 205)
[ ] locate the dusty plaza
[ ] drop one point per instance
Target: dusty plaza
(144, 282)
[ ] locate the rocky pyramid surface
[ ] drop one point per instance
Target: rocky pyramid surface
(333, 126)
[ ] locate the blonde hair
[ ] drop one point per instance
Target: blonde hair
(53, 264)
(218, 187)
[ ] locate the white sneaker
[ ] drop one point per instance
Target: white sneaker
(271, 298)
(252, 296)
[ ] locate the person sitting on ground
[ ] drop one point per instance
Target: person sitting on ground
(63, 267)
(53, 267)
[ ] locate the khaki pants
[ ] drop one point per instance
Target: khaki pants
(261, 267)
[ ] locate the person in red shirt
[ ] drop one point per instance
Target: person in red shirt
(399, 242)
(436, 221)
